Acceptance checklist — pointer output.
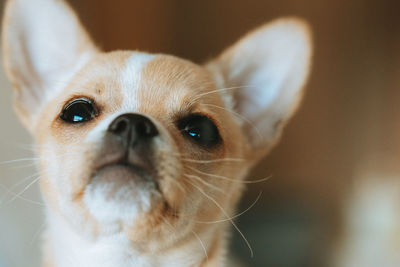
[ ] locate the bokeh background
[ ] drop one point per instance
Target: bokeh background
(345, 135)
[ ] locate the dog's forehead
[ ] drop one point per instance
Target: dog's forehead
(167, 83)
(141, 82)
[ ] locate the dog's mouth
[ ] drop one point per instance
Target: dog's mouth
(125, 165)
(124, 169)
(122, 173)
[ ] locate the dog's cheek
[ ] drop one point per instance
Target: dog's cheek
(53, 182)
(50, 193)
(76, 157)
(62, 169)
(77, 171)
(63, 166)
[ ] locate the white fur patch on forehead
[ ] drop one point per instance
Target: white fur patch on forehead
(130, 79)
(129, 83)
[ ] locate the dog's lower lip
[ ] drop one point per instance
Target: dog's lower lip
(120, 174)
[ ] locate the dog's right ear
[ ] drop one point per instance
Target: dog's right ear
(43, 45)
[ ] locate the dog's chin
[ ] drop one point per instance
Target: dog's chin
(120, 193)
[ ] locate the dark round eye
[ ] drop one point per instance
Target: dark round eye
(78, 110)
(200, 129)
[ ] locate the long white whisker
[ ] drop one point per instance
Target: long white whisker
(24, 190)
(219, 90)
(19, 160)
(201, 244)
(20, 197)
(184, 157)
(36, 234)
(227, 216)
(197, 178)
(10, 190)
(230, 179)
(213, 160)
(235, 216)
(29, 147)
(177, 183)
(31, 201)
(240, 116)
(193, 232)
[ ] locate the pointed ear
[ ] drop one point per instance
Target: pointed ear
(268, 69)
(43, 45)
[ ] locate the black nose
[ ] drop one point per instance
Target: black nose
(133, 128)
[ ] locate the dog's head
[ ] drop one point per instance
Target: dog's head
(149, 145)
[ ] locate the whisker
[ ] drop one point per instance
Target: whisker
(197, 178)
(235, 216)
(184, 157)
(218, 90)
(240, 116)
(24, 190)
(34, 160)
(193, 232)
(177, 183)
(21, 197)
(10, 190)
(201, 244)
(213, 160)
(29, 147)
(37, 233)
(30, 165)
(41, 204)
(227, 216)
(18, 160)
(169, 224)
(230, 179)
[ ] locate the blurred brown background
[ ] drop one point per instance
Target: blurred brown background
(348, 121)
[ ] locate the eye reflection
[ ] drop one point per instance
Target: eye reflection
(200, 129)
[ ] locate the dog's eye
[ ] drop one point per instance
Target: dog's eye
(78, 110)
(200, 129)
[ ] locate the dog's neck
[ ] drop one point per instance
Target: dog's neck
(66, 248)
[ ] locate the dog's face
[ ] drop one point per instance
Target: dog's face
(149, 145)
(135, 141)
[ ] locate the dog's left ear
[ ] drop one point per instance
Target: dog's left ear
(43, 44)
(264, 74)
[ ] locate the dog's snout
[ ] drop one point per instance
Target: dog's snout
(133, 128)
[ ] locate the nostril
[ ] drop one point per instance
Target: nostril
(146, 128)
(119, 126)
(141, 129)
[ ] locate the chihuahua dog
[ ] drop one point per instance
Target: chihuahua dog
(143, 156)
